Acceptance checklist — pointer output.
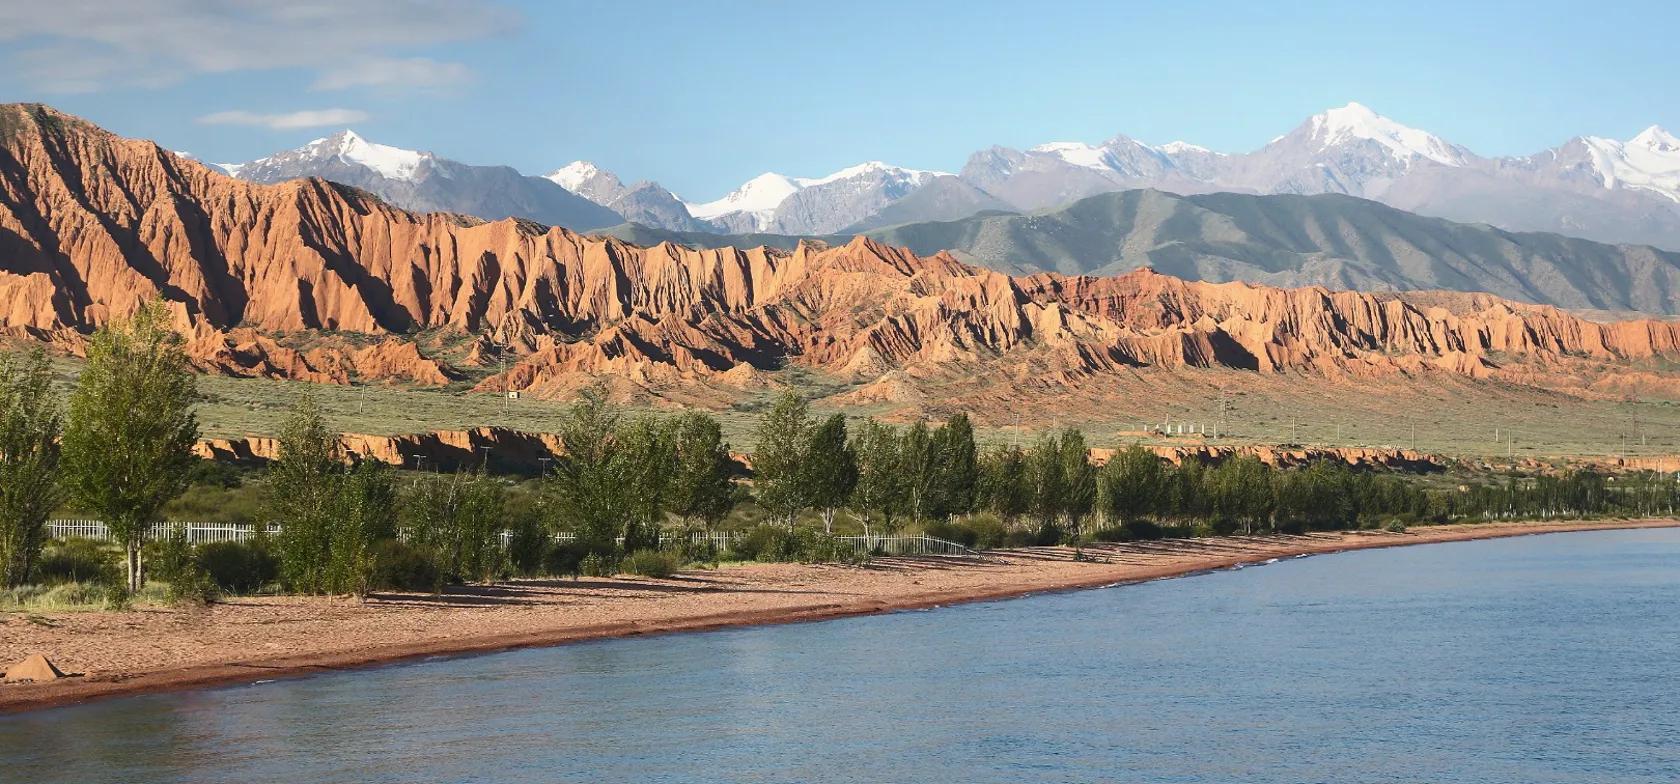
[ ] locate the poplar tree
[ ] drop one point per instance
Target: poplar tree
(30, 423)
(779, 463)
(958, 466)
(880, 476)
(586, 492)
(831, 468)
(131, 430)
(1131, 485)
(1002, 485)
(1079, 478)
(303, 496)
(702, 487)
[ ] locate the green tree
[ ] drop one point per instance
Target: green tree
(1131, 485)
(1002, 486)
(958, 469)
(587, 493)
(131, 429)
(1046, 481)
(831, 468)
(919, 459)
(646, 463)
(456, 521)
(366, 513)
(1079, 478)
(30, 424)
(779, 474)
(702, 487)
(302, 496)
(880, 477)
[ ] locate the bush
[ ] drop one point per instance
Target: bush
(239, 567)
(770, 543)
(564, 560)
(174, 560)
(651, 563)
(528, 548)
(597, 565)
(75, 560)
(1395, 527)
(398, 567)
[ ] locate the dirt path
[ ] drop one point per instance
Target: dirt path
(248, 639)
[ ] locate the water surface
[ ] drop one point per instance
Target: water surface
(1537, 659)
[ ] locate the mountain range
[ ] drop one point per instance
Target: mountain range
(92, 225)
(1589, 187)
(1330, 240)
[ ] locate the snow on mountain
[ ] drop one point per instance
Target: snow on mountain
(1076, 153)
(1175, 148)
(391, 162)
(1649, 161)
(760, 196)
(1355, 121)
(573, 174)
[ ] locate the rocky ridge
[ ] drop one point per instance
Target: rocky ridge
(92, 225)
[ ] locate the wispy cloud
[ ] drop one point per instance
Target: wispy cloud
(92, 45)
(288, 121)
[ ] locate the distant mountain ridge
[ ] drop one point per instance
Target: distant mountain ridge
(1287, 240)
(1590, 187)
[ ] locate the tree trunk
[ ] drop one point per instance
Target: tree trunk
(828, 521)
(134, 568)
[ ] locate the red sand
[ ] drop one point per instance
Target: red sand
(247, 639)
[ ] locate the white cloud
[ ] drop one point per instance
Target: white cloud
(92, 45)
(288, 121)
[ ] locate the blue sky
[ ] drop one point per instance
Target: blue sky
(704, 95)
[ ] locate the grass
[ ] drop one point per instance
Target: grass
(1445, 414)
(73, 597)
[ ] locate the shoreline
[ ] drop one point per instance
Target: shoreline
(397, 628)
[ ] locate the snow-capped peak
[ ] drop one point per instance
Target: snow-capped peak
(1356, 121)
(1656, 140)
(1173, 148)
(392, 163)
(1076, 153)
(1649, 161)
(573, 174)
(761, 195)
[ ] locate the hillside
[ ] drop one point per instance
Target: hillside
(92, 224)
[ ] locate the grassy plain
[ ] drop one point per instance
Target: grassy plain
(1444, 414)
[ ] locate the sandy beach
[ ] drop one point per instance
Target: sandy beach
(249, 639)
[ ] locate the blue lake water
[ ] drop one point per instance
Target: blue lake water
(1540, 659)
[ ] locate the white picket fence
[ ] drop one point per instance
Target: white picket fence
(197, 533)
(906, 545)
(201, 533)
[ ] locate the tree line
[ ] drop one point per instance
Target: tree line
(122, 449)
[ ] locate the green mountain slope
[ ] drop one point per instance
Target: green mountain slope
(1336, 241)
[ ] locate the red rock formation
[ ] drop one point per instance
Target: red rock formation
(92, 224)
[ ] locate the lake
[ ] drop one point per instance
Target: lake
(1538, 659)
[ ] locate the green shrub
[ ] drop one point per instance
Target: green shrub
(953, 532)
(75, 560)
(398, 567)
(239, 567)
(174, 560)
(528, 548)
(564, 560)
(822, 548)
(1395, 526)
(597, 565)
(651, 563)
(770, 543)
